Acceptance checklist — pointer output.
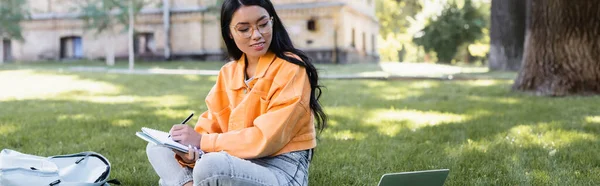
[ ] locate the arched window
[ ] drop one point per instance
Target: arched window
(71, 47)
(311, 25)
(144, 44)
(6, 50)
(353, 38)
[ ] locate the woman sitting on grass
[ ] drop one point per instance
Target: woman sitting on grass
(259, 128)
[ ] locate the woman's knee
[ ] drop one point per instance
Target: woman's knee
(150, 148)
(211, 165)
(157, 151)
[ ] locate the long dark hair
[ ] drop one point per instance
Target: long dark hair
(280, 44)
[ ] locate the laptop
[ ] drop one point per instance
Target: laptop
(417, 178)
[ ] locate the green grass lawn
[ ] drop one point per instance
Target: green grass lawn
(482, 132)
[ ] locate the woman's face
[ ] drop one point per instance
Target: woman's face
(251, 28)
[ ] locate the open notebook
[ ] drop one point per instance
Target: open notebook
(160, 138)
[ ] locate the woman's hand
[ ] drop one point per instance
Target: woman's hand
(189, 157)
(185, 135)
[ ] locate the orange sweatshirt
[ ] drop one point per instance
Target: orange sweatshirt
(267, 117)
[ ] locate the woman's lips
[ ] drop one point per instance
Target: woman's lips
(258, 46)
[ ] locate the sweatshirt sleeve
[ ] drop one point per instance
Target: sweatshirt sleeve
(208, 122)
(216, 100)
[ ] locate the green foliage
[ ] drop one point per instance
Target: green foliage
(101, 15)
(12, 12)
(393, 15)
(453, 28)
(395, 18)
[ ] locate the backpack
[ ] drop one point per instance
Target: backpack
(81, 169)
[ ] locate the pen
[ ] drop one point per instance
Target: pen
(185, 121)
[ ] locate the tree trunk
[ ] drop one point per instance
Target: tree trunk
(2, 51)
(131, 35)
(467, 57)
(507, 34)
(110, 52)
(562, 48)
(167, 28)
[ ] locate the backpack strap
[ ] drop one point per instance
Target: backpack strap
(54, 183)
(114, 181)
(102, 179)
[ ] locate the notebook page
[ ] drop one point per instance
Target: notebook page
(163, 138)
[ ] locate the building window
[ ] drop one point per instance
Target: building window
(353, 39)
(311, 25)
(144, 44)
(6, 50)
(364, 42)
(71, 47)
(373, 43)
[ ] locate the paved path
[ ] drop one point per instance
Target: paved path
(216, 72)
(368, 76)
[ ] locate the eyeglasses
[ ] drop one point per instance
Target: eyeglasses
(246, 30)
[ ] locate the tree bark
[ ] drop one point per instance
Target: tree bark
(507, 34)
(1, 51)
(562, 48)
(110, 51)
(131, 35)
(167, 28)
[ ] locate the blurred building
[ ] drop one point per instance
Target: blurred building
(330, 31)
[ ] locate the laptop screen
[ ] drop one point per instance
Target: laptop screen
(418, 178)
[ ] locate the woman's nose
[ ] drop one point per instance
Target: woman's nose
(256, 35)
